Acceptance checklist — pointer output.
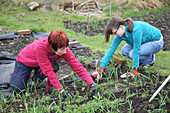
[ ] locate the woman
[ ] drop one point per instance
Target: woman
(40, 55)
(143, 41)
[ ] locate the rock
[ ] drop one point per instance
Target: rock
(33, 5)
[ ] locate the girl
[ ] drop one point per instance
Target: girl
(143, 41)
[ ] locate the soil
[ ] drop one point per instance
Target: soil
(142, 87)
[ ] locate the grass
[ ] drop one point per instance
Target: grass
(15, 18)
(111, 102)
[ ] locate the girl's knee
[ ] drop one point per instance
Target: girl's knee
(124, 52)
(130, 54)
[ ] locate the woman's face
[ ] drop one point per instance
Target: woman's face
(60, 51)
(119, 31)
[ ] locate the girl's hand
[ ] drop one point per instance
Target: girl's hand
(96, 74)
(133, 73)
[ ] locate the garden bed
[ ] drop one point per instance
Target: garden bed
(119, 95)
(130, 94)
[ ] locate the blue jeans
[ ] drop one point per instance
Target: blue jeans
(19, 78)
(147, 52)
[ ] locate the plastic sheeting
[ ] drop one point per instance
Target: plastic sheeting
(9, 35)
(4, 55)
(39, 35)
(7, 63)
(6, 72)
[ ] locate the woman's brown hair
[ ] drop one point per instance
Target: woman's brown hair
(115, 22)
(58, 39)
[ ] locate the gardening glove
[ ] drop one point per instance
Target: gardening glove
(66, 94)
(96, 75)
(133, 73)
(95, 91)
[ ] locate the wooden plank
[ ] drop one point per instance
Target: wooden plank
(22, 32)
(62, 76)
(73, 43)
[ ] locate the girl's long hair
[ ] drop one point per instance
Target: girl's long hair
(115, 23)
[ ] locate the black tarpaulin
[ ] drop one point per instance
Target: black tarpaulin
(39, 35)
(7, 63)
(9, 35)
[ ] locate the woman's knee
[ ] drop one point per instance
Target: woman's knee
(16, 87)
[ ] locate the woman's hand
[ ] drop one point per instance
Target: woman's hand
(66, 94)
(95, 91)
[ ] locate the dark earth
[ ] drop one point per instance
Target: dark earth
(145, 86)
